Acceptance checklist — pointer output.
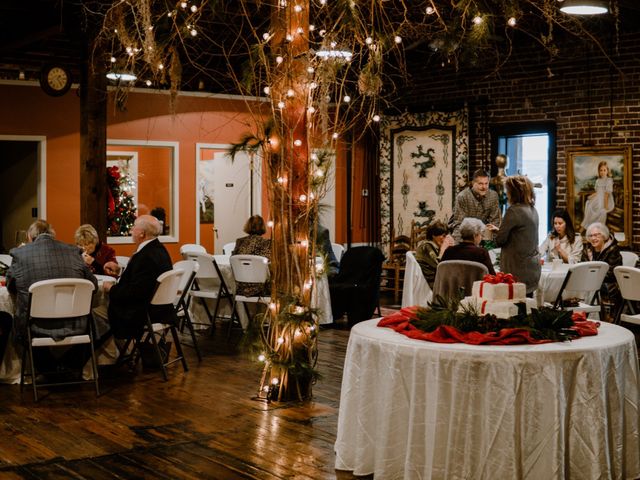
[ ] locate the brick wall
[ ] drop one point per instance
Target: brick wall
(591, 100)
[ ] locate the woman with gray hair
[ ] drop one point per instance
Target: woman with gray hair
(471, 230)
(602, 246)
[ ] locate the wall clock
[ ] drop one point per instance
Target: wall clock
(55, 80)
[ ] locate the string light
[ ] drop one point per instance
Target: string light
(376, 118)
(280, 180)
(346, 99)
(313, 85)
(194, 9)
(280, 104)
(297, 9)
(183, 4)
(160, 66)
(304, 243)
(279, 59)
(319, 173)
(290, 93)
(270, 225)
(289, 37)
(148, 82)
(280, 340)
(512, 22)
(367, 40)
(303, 198)
(113, 59)
(397, 39)
(266, 90)
(311, 69)
(477, 20)
(275, 381)
(311, 109)
(299, 30)
(266, 36)
(335, 135)
(193, 32)
(297, 142)
(261, 357)
(430, 10)
(312, 27)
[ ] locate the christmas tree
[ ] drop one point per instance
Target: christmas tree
(121, 210)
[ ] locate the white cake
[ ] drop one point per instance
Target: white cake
(499, 299)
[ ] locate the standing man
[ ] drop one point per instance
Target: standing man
(476, 201)
(129, 299)
(44, 258)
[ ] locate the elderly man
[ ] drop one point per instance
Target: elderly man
(476, 201)
(44, 258)
(129, 298)
(471, 230)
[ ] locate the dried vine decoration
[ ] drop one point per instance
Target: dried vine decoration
(322, 69)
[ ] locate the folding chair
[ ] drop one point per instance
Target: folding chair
(190, 269)
(584, 279)
(58, 299)
(189, 249)
(5, 259)
(628, 279)
(249, 269)
(165, 294)
(228, 248)
(209, 284)
(629, 259)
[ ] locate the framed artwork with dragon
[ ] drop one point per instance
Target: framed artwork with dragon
(423, 166)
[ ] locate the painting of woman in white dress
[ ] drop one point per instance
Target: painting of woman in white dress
(601, 202)
(599, 189)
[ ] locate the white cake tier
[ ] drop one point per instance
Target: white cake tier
(501, 308)
(499, 291)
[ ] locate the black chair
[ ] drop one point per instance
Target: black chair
(355, 290)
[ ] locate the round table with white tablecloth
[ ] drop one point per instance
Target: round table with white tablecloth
(416, 409)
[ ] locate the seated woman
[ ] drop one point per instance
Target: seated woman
(562, 242)
(253, 244)
(603, 247)
(471, 230)
(429, 252)
(99, 257)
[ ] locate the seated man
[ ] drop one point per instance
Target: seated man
(44, 258)
(129, 298)
(471, 230)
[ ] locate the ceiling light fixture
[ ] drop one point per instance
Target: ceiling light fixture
(584, 7)
(122, 76)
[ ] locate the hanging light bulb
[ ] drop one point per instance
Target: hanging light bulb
(584, 7)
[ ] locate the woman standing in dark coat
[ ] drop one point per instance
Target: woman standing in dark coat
(518, 233)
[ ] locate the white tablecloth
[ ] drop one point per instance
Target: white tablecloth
(321, 298)
(411, 409)
(415, 289)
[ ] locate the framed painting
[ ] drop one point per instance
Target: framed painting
(599, 189)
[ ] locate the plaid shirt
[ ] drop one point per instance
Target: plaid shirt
(468, 204)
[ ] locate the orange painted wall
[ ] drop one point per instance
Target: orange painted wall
(26, 110)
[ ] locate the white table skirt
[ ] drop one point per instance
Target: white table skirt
(411, 409)
(415, 289)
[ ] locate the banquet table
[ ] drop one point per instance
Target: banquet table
(415, 409)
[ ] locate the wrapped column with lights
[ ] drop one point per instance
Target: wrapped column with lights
(291, 333)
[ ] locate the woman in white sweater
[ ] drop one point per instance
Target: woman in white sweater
(562, 242)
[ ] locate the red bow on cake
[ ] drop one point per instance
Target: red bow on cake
(499, 278)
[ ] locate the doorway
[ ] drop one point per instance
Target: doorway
(19, 193)
(228, 193)
(531, 151)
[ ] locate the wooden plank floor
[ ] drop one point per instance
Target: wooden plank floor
(202, 424)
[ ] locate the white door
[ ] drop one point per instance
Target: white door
(228, 183)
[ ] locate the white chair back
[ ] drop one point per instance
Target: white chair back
(250, 268)
(228, 248)
(190, 268)
(6, 259)
(189, 249)
(586, 277)
(629, 259)
(60, 298)
(415, 289)
(206, 267)
(167, 288)
(122, 261)
(628, 279)
(338, 250)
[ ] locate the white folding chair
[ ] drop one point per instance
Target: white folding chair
(583, 280)
(250, 269)
(6, 259)
(58, 299)
(228, 248)
(415, 289)
(181, 304)
(338, 250)
(209, 284)
(189, 249)
(628, 279)
(629, 259)
(167, 287)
